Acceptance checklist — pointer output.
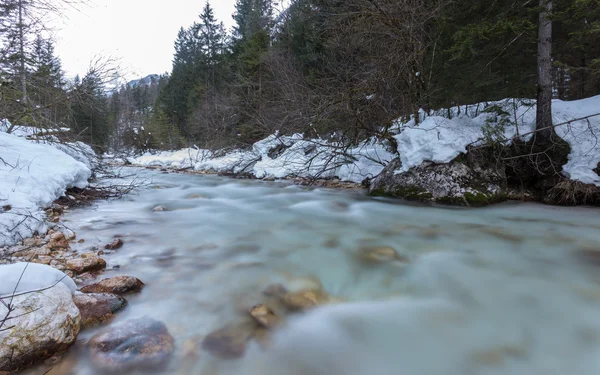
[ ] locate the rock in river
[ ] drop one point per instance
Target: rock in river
(114, 245)
(136, 343)
(456, 183)
(379, 254)
(43, 323)
(115, 285)
(264, 316)
(305, 299)
(96, 308)
(229, 342)
(88, 262)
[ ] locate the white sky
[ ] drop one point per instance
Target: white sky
(140, 33)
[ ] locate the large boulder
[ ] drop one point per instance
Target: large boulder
(134, 344)
(97, 308)
(43, 320)
(456, 183)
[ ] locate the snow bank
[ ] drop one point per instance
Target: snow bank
(283, 156)
(32, 176)
(29, 131)
(440, 140)
(24, 277)
(436, 138)
(185, 158)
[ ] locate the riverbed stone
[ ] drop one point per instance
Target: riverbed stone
(379, 254)
(135, 344)
(116, 285)
(454, 183)
(44, 324)
(58, 241)
(305, 299)
(264, 316)
(87, 262)
(230, 341)
(97, 308)
(117, 243)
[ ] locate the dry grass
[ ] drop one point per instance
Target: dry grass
(572, 193)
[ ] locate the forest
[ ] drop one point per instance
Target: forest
(325, 68)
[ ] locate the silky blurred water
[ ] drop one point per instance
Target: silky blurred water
(497, 290)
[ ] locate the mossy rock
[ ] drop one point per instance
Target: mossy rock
(455, 183)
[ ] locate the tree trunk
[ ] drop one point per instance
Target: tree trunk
(544, 89)
(22, 72)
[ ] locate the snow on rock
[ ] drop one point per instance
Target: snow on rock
(32, 176)
(43, 324)
(23, 277)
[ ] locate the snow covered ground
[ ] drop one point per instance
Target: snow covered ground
(34, 173)
(436, 139)
(440, 140)
(283, 156)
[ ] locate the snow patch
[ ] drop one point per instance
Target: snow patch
(32, 176)
(283, 156)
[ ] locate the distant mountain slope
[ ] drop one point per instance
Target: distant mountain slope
(146, 81)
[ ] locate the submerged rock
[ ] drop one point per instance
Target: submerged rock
(114, 245)
(116, 285)
(454, 183)
(136, 343)
(42, 324)
(381, 254)
(305, 299)
(230, 341)
(264, 316)
(97, 308)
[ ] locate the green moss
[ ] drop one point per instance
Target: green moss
(452, 201)
(411, 192)
(479, 199)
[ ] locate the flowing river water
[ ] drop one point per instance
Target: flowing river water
(506, 289)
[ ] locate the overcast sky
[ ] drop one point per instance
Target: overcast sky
(138, 32)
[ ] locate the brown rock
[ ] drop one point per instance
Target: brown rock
(264, 316)
(116, 244)
(229, 342)
(116, 285)
(380, 254)
(58, 241)
(304, 299)
(137, 343)
(32, 252)
(87, 262)
(98, 308)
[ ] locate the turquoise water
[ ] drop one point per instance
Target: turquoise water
(498, 290)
